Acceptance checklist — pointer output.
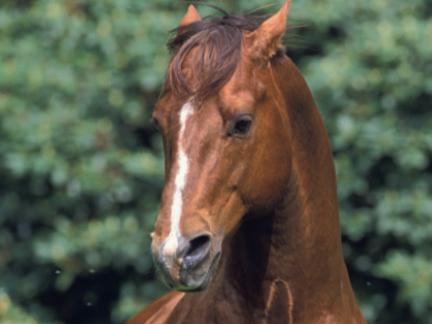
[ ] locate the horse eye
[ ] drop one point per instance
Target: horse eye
(241, 125)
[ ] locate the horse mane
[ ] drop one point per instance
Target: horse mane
(217, 45)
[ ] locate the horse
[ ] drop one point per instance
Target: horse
(248, 228)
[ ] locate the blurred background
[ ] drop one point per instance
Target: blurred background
(81, 165)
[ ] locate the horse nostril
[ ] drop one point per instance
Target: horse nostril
(198, 243)
(198, 249)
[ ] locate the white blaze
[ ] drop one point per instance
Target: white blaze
(180, 181)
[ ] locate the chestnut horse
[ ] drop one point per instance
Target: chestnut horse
(248, 230)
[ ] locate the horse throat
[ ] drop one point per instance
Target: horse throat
(278, 259)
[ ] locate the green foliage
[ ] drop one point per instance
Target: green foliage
(11, 313)
(82, 168)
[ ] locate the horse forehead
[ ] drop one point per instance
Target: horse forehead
(236, 99)
(242, 90)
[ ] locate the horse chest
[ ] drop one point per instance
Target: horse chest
(277, 308)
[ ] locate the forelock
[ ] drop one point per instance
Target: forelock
(215, 44)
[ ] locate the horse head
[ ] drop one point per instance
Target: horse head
(225, 140)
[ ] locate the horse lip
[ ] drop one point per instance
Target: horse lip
(163, 271)
(184, 285)
(182, 279)
(177, 275)
(185, 263)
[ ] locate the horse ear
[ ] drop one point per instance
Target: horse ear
(266, 39)
(190, 17)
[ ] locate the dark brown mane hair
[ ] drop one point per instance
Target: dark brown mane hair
(218, 44)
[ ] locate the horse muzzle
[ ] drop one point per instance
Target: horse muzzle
(187, 264)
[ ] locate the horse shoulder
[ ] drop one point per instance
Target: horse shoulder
(159, 311)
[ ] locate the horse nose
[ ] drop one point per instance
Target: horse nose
(191, 252)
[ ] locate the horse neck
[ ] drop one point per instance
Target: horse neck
(298, 242)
